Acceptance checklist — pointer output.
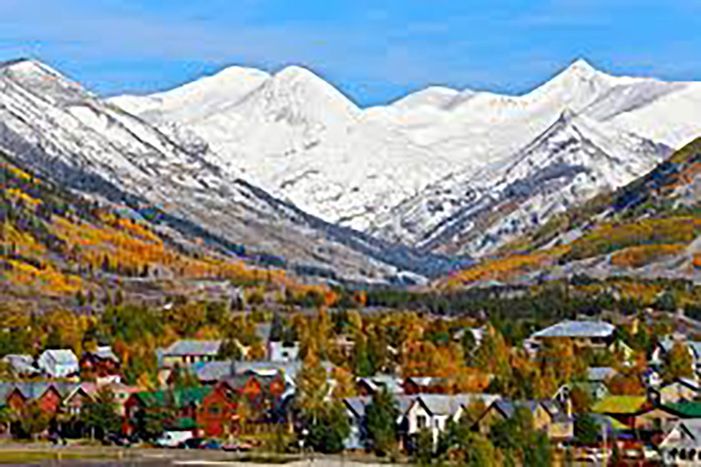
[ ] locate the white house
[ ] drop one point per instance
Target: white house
(58, 363)
(283, 351)
(682, 445)
(433, 411)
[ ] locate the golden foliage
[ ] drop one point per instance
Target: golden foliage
(639, 256)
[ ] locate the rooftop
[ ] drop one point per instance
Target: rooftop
(193, 347)
(577, 329)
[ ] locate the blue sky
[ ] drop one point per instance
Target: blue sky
(374, 50)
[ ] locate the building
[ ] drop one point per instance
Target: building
(434, 411)
(74, 402)
(101, 365)
(682, 445)
(59, 363)
(592, 334)
(188, 352)
(625, 409)
(680, 390)
(218, 416)
(214, 371)
(367, 386)
(548, 416)
(665, 345)
(427, 385)
(283, 351)
(595, 386)
(48, 396)
(21, 365)
(181, 406)
(355, 409)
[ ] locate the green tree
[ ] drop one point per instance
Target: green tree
(423, 448)
(381, 416)
(33, 420)
(99, 415)
(520, 443)
(329, 429)
(586, 430)
(312, 388)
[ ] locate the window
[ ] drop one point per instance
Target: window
(421, 422)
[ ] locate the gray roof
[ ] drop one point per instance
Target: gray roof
(213, 371)
(508, 407)
(105, 352)
(20, 363)
(358, 404)
(193, 347)
(391, 382)
(61, 356)
(443, 404)
(577, 329)
(600, 373)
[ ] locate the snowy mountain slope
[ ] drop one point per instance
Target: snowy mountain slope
(300, 139)
(571, 161)
(58, 129)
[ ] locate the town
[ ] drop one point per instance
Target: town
(611, 388)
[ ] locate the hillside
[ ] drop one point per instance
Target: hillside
(650, 229)
(60, 130)
(59, 247)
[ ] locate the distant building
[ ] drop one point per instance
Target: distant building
(548, 416)
(593, 334)
(21, 365)
(59, 363)
(367, 386)
(188, 352)
(101, 364)
(283, 351)
(665, 345)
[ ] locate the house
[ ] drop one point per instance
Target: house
(625, 409)
(427, 385)
(101, 365)
(74, 402)
(680, 390)
(590, 334)
(355, 409)
(188, 352)
(665, 345)
(21, 365)
(58, 363)
(217, 416)
(122, 392)
(548, 416)
(214, 371)
(283, 351)
(594, 386)
(682, 445)
(181, 405)
(367, 386)
(48, 396)
(433, 411)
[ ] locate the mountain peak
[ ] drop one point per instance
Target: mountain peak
(28, 66)
(581, 67)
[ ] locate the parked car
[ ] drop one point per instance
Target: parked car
(212, 444)
(192, 443)
(172, 439)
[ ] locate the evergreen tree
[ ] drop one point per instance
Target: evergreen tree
(99, 415)
(381, 422)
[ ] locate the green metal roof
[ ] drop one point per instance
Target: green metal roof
(686, 409)
(177, 398)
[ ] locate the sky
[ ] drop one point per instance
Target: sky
(373, 50)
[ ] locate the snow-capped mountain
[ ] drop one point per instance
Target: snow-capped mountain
(58, 129)
(301, 139)
(475, 213)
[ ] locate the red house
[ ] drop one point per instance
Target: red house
(49, 396)
(217, 416)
